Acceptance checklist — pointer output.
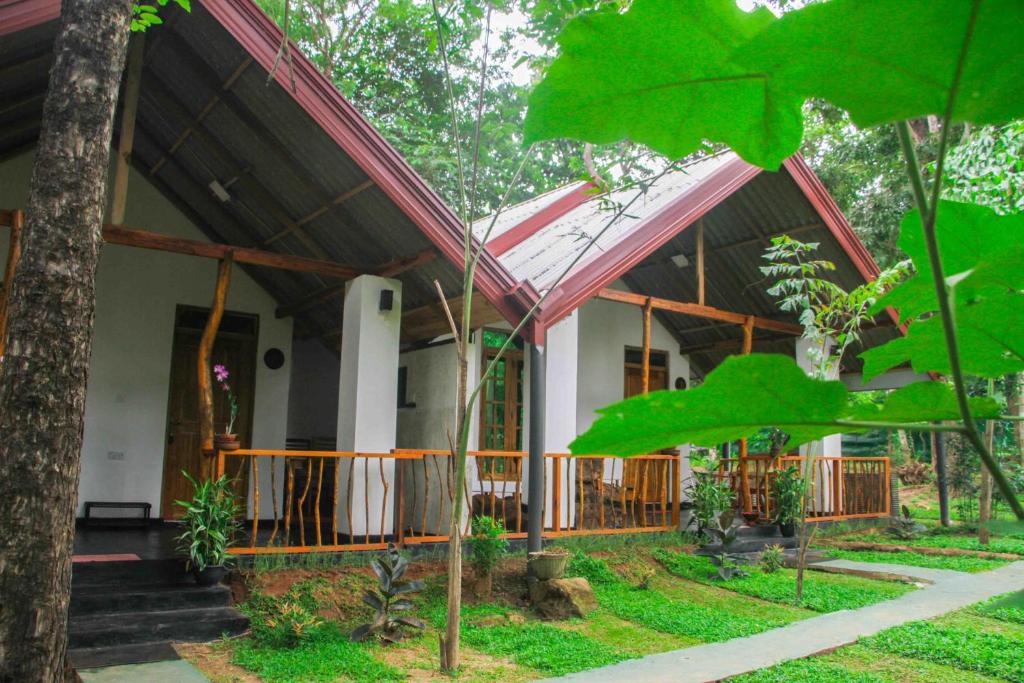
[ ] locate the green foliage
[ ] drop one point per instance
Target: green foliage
(594, 570)
(487, 543)
(710, 497)
(542, 647)
(960, 564)
(987, 168)
(788, 492)
(210, 523)
(771, 559)
(386, 625)
(287, 621)
(906, 527)
(996, 544)
(989, 653)
(721, 530)
(822, 593)
(1008, 608)
(145, 15)
(813, 670)
(326, 655)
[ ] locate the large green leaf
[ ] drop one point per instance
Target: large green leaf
(990, 336)
(660, 74)
(890, 60)
(670, 73)
(924, 400)
(739, 397)
(981, 251)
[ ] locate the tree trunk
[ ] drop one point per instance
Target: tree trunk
(1013, 406)
(985, 496)
(907, 446)
(450, 642)
(43, 375)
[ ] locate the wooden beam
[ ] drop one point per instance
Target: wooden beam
(16, 220)
(748, 345)
(698, 311)
(730, 345)
(700, 262)
(119, 234)
(220, 295)
(645, 361)
(389, 269)
(132, 84)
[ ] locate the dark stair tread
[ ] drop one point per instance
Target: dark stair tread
(186, 625)
(131, 573)
(96, 599)
(117, 655)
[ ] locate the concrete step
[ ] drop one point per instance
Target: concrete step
(183, 625)
(104, 598)
(118, 655)
(148, 573)
(750, 544)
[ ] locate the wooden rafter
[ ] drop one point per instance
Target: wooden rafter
(337, 201)
(129, 106)
(645, 361)
(390, 269)
(119, 234)
(698, 311)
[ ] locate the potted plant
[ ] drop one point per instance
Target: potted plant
(210, 527)
(489, 545)
(787, 488)
(228, 441)
(709, 498)
(547, 564)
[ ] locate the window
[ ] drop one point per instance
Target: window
(501, 406)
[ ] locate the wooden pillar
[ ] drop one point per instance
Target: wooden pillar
(646, 360)
(700, 262)
(205, 384)
(13, 254)
(133, 82)
(748, 345)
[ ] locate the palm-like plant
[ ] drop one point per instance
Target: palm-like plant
(386, 625)
(210, 522)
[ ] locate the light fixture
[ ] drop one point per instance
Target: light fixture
(219, 191)
(387, 299)
(680, 260)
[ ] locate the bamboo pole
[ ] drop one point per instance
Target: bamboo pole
(748, 345)
(13, 255)
(255, 467)
(205, 385)
(646, 360)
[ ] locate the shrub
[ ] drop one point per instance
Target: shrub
(771, 559)
(284, 622)
(709, 497)
(906, 527)
(913, 473)
(787, 489)
(487, 544)
(595, 571)
(386, 601)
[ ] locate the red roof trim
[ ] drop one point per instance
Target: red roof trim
(552, 212)
(830, 213)
(604, 267)
(22, 14)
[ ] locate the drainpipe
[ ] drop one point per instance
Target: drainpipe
(535, 484)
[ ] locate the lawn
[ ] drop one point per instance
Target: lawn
(653, 597)
(974, 645)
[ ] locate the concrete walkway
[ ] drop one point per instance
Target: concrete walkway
(949, 591)
(176, 671)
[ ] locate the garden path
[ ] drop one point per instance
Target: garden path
(948, 591)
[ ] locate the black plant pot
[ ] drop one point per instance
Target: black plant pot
(210, 576)
(788, 529)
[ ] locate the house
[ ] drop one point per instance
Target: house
(273, 221)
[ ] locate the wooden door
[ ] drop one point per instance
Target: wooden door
(183, 451)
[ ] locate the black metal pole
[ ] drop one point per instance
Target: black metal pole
(535, 484)
(939, 444)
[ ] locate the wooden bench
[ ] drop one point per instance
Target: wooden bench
(96, 521)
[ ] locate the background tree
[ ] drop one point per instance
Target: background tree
(43, 374)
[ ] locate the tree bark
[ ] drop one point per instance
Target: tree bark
(1013, 407)
(44, 372)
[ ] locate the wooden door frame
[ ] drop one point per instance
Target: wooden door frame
(248, 414)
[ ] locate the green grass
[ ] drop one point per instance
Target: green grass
(656, 610)
(947, 540)
(542, 647)
(326, 656)
(822, 592)
(1006, 608)
(962, 564)
(634, 639)
(815, 670)
(994, 654)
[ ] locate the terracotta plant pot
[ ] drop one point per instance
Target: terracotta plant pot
(546, 565)
(210, 576)
(226, 442)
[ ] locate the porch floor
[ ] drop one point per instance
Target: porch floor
(155, 542)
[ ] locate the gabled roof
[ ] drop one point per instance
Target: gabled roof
(303, 159)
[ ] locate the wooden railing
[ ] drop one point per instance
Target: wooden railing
(608, 495)
(843, 487)
(329, 501)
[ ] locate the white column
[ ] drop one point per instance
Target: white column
(560, 411)
(831, 445)
(368, 402)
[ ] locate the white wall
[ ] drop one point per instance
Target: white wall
(137, 291)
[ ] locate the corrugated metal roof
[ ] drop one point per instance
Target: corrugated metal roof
(543, 256)
(516, 214)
